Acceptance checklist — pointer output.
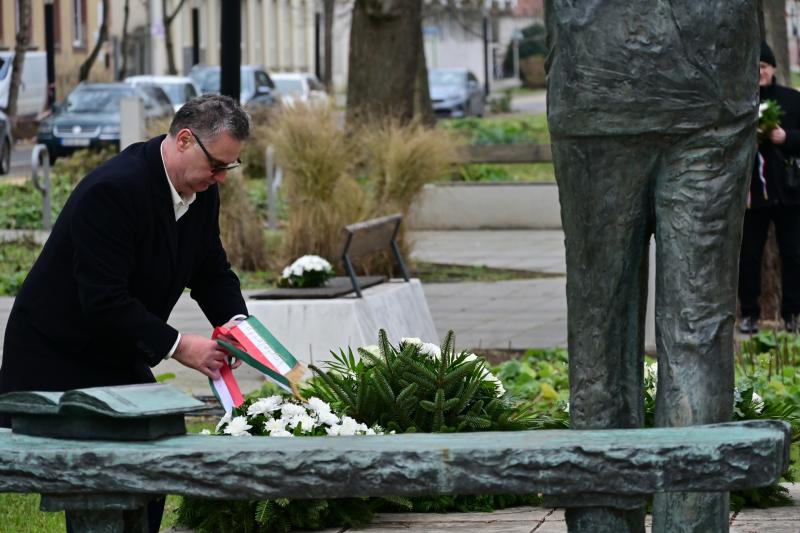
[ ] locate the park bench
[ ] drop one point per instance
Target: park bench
(360, 241)
(104, 484)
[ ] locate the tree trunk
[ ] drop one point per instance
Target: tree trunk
(171, 69)
(328, 12)
(124, 46)
(775, 31)
(23, 37)
(385, 55)
(102, 36)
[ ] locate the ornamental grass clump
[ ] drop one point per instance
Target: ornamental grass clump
(319, 185)
(418, 387)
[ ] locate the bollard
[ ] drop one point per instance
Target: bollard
(274, 179)
(38, 162)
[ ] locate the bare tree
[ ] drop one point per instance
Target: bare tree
(102, 37)
(387, 76)
(328, 10)
(773, 30)
(124, 46)
(23, 37)
(168, 18)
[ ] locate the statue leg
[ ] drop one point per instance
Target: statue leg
(700, 200)
(605, 208)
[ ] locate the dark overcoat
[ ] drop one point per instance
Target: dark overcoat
(94, 307)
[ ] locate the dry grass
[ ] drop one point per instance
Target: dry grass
(319, 187)
(400, 160)
(241, 227)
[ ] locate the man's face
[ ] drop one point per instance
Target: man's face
(765, 74)
(206, 161)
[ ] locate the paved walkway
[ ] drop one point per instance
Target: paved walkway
(544, 520)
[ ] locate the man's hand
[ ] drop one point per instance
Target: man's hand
(200, 353)
(777, 135)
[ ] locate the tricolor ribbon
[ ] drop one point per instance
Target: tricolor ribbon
(252, 343)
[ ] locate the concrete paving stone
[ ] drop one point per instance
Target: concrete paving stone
(778, 526)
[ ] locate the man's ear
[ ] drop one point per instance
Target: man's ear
(184, 139)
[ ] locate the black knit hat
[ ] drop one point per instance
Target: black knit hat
(766, 54)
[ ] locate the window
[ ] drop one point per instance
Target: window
(79, 23)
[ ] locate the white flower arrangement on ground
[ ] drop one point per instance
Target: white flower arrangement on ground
(307, 271)
(276, 416)
(432, 350)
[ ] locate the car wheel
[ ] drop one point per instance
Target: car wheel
(5, 160)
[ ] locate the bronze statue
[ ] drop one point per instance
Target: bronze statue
(652, 109)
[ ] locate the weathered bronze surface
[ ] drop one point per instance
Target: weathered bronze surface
(652, 111)
(626, 462)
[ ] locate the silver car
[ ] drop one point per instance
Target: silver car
(6, 144)
(455, 92)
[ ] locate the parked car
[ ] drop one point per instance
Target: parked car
(300, 87)
(455, 92)
(6, 144)
(256, 86)
(89, 117)
(32, 95)
(179, 89)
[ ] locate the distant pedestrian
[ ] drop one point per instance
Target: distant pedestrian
(774, 197)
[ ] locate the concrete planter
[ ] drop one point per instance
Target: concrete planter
(504, 205)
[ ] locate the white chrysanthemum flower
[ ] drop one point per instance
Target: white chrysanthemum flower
(349, 426)
(291, 410)
(264, 406)
(373, 349)
(329, 419)
(275, 424)
(306, 423)
(318, 406)
(205, 432)
(238, 427)
(761, 109)
(737, 395)
(431, 350)
(758, 403)
(307, 263)
(498, 385)
(222, 421)
(333, 431)
(411, 340)
(566, 407)
(280, 433)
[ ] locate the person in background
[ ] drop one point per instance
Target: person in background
(772, 198)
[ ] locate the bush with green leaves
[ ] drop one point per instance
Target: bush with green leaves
(419, 387)
(506, 130)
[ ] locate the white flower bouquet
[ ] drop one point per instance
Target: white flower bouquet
(276, 416)
(307, 271)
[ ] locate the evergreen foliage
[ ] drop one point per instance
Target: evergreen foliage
(408, 389)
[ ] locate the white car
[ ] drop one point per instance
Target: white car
(179, 89)
(300, 87)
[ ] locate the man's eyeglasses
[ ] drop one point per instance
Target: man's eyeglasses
(216, 164)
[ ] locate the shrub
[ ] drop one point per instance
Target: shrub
(241, 227)
(323, 196)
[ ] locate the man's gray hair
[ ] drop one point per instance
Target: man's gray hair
(209, 115)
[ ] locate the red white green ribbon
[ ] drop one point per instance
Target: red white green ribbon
(226, 389)
(252, 343)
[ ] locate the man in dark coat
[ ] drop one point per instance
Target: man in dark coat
(132, 236)
(652, 111)
(772, 199)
